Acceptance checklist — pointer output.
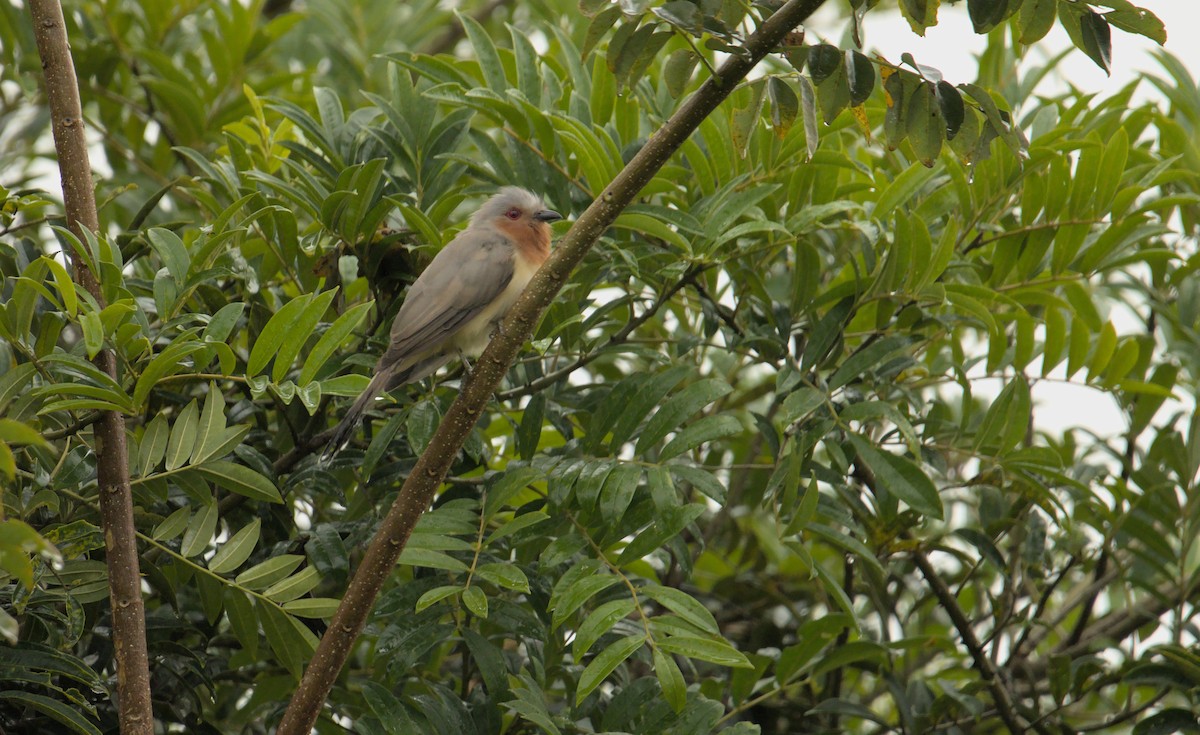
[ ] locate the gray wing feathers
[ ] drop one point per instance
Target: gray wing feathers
(466, 276)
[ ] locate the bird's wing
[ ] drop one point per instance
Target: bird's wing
(466, 276)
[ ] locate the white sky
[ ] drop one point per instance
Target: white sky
(951, 44)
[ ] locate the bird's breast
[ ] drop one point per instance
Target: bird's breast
(475, 335)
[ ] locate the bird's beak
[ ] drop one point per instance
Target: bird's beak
(547, 216)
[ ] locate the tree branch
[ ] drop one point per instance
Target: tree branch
(112, 455)
(988, 672)
(419, 489)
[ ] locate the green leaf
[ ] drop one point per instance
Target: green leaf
(313, 607)
(475, 600)
(986, 14)
(264, 574)
(171, 251)
(298, 333)
(678, 69)
(297, 585)
(239, 609)
(54, 709)
(506, 575)
(860, 74)
(485, 52)
(925, 127)
(199, 531)
(436, 595)
(333, 338)
(172, 525)
(1139, 21)
(848, 653)
(64, 285)
(862, 361)
(291, 641)
(784, 106)
(670, 680)
(744, 119)
(705, 649)
(1007, 420)
(667, 524)
(823, 60)
(431, 559)
(578, 593)
(618, 490)
(833, 94)
(1036, 19)
(678, 409)
(15, 432)
(223, 322)
(709, 428)
(683, 605)
(211, 428)
(1097, 39)
(237, 549)
(604, 664)
(167, 362)
(901, 477)
(920, 14)
(808, 109)
(241, 480)
(93, 333)
(598, 622)
(153, 446)
(277, 329)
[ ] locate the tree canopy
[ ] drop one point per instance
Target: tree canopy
(772, 461)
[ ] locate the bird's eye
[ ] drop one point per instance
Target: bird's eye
(513, 213)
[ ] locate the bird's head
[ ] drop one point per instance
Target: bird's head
(521, 215)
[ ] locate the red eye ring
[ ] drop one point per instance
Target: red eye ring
(513, 213)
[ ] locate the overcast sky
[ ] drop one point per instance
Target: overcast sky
(951, 44)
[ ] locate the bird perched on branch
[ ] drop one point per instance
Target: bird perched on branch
(456, 304)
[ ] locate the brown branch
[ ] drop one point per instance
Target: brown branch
(987, 671)
(422, 484)
(112, 455)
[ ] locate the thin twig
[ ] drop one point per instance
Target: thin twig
(617, 338)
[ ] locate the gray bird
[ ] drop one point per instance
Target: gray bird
(456, 304)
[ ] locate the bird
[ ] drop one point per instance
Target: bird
(457, 303)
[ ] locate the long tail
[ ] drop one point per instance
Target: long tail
(396, 374)
(349, 422)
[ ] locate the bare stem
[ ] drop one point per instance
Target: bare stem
(112, 454)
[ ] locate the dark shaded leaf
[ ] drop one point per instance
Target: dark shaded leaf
(986, 14)
(860, 73)
(953, 110)
(784, 106)
(823, 61)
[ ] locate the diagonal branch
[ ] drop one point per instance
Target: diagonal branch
(112, 454)
(987, 671)
(422, 484)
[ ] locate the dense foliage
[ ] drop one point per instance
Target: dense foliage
(772, 463)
